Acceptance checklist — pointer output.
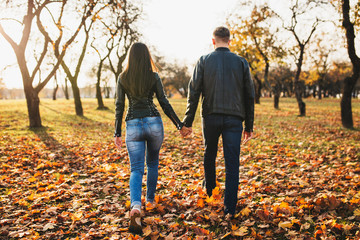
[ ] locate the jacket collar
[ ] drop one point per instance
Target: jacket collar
(222, 49)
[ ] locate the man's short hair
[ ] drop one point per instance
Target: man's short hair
(222, 33)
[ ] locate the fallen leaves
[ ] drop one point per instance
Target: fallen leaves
(240, 232)
(298, 179)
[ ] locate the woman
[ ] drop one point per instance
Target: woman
(144, 127)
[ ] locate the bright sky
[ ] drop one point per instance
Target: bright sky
(176, 29)
(183, 29)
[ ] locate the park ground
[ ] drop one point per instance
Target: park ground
(299, 177)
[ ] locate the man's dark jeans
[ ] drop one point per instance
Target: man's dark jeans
(230, 127)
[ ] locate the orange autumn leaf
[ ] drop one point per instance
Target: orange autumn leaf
(200, 203)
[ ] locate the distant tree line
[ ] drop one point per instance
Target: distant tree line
(288, 56)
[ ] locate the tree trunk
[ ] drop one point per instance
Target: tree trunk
(301, 104)
(99, 98)
(101, 105)
(314, 91)
(277, 92)
(346, 108)
(33, 102)
(297, 84)
(276, 101)
(107, 92)
(349, 82)
(66, 90)
(55, 91)
(319, 92)
(258, 86)
(77, 99)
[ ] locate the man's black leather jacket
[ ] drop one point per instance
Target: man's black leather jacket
(223, 80)
(143, 106)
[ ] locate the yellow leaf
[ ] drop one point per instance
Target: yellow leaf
(285, 224)
(31, 197)
(227, 234)
(251, 173)
(32, 179)
(76, 216)
(23, 202)
(246, 211)
(284, 205)
(240, 232)
(128, 204)
(297, 221)
(357, 212)
(209, 199)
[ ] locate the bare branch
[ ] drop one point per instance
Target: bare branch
(51, 15)
(8, 38)
(11, 19)
(39, 62)
(60, 55)
(314, 26)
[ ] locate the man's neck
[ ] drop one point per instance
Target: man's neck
(221, 46)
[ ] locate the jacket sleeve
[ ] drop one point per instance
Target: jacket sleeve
(119, 108)
(249, 98)
(194, 91)
(165, 105)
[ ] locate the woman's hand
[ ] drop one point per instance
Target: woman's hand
(185, 131)
(118, 143)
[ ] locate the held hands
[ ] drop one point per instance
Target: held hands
(185, 131)
(118, 142)
(247, 137)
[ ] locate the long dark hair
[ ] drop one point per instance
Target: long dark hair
(138, 76)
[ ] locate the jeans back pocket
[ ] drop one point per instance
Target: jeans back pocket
(132, 132)
(156, 129)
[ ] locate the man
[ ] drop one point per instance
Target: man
(223, 80)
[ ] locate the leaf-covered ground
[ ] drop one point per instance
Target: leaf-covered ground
(299, 178)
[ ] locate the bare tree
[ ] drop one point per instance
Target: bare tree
(91, 14)
(122, 33)
(99, 70)
(34, 10)
(66, 89)
(320, 57)
(297, 10)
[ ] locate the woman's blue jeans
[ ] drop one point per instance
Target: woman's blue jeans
(144, 137)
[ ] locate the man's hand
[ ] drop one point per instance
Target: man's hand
(118, 142)
(247, 137)
(185, 131)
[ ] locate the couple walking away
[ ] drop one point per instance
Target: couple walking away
(223, 81)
